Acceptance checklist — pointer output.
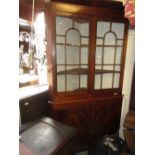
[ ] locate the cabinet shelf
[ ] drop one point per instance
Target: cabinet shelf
(100, 71)
(80, 89)
(109, 45)
(73, 45)
(78, 71)
(75, 71)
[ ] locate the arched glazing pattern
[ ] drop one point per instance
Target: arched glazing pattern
(72, 47)
(109, 46)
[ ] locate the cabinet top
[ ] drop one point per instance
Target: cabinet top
(87, 10)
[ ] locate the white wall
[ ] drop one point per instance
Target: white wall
(130, 57)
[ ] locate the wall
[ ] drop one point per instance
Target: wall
(130, 58)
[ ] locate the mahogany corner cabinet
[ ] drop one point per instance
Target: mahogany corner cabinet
(86, 50)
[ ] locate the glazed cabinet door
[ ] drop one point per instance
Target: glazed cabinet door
(72, 52)
(108, 55)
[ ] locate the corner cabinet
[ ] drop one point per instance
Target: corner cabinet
(86, 55)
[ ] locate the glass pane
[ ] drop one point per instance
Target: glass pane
(84, 41)
(98, 67)
(116, 80)
(99, 41)
(72, 55)
(73, 37)
(118, 28)
(60, 68)
(72, 40)
(83, 81)
(72, 82)
(84, 66)
(76, 24)
(60, 54)
(84, 55)
(60, 39)
(98, 55)
(84, 28)
(62, 24)
(60, 79)
(72, 66)
(118, 55)
(73, 70)
(84, 70)
(110, 39)
(97, 81)
(117, 68)
(120, 42)
(102, 28)
(108, 67)
(109, 53)
(107, 81)
(61, 83)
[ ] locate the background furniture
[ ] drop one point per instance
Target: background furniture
(34, 106)
(46, 137)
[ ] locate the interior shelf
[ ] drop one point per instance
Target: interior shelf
(100, 71)
(75, 71)
(80, 89)
(73, 45)
(109, 45)
(78, 71)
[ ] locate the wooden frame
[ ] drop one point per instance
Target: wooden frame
(94, 14)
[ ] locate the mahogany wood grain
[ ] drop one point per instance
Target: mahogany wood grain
(25, 12)
(107, 13)
(93, 119)
(99, 3)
